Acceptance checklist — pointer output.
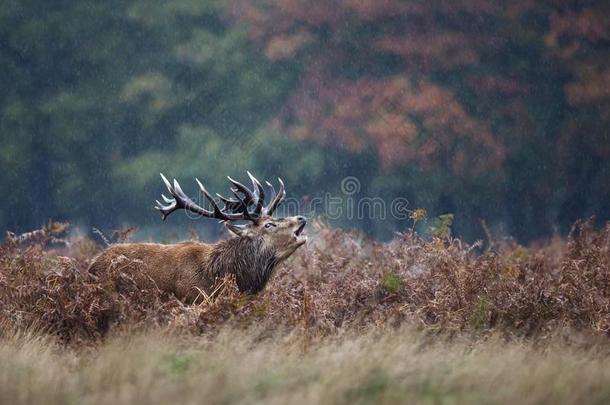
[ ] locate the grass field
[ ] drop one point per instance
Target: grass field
(347, 320)
(393, 366)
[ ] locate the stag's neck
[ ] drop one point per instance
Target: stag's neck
(248, 258)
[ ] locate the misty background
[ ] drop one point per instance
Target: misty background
(495, 111)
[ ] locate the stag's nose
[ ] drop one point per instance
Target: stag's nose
(301, 219)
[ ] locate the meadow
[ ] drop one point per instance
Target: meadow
(346, 320)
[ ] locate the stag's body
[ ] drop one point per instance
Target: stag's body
(176, 269)
(185, 269)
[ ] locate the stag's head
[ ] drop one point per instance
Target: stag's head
(281, 235)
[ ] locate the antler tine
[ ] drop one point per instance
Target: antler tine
(172, 204)
(273, 194)
(166, 209)
(229, 203)
(218, 213)
(260, 201)
(277, 198)
(272, 189)
(250, 198)
(167, 184)
(244, 208)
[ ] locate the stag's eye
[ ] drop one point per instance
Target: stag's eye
(269, 225)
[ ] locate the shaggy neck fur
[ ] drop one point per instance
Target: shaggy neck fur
(247, 258)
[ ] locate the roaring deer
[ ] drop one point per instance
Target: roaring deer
(251, 255)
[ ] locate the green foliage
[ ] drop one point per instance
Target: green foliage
(178, 363)
(441, 227)
(390, 282)
(480, 315)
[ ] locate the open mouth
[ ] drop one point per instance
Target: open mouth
(298, 233)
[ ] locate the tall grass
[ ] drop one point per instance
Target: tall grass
(387, 366)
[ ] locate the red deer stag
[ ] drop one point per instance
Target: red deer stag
(184, 268)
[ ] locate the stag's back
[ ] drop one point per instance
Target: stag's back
(176, 269)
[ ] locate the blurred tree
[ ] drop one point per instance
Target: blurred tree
(57, 73)
(95, 88)
(478, 97)
(489, 110)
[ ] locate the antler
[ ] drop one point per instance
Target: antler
(260, 194)
(277, 198)
(182, 201)
(254, 197)
(233, 210)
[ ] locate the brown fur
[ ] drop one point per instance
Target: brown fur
(182, 268)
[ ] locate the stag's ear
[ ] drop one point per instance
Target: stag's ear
(239, 230)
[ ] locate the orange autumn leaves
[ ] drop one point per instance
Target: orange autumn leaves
(432, 106)
(420, 123)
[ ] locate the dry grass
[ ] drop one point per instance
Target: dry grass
(340, 283)
(347, 320)
(392, 366)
